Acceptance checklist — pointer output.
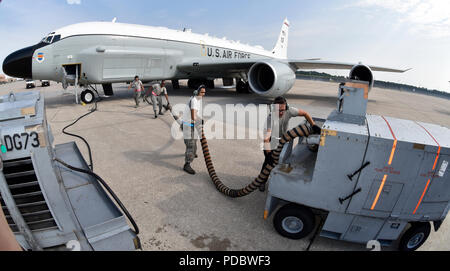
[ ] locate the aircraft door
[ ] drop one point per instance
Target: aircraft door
(154, 60)
(71, 74)
(154, 67)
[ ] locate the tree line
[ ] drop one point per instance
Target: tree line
(321, 76)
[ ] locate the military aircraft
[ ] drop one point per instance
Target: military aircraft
(91, 53)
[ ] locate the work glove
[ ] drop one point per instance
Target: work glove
(316, 130)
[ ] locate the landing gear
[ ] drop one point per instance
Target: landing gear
(294, 221)
(210, 84)
(87, 96)
(415, 236)
(242, 87)
(195, 83)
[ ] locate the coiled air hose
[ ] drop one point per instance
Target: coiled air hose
(299, 131)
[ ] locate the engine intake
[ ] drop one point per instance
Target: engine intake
(271, 78)
(362, 73)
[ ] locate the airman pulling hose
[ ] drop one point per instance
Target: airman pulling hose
(299, 131)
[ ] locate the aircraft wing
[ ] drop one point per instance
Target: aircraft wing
(318, 65)
(194, 65)
(209, 66)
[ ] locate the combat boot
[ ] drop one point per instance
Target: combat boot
(156, 115)
(188, 169)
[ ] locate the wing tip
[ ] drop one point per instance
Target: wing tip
(407, 70)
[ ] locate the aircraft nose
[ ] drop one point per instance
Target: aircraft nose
(18, 64)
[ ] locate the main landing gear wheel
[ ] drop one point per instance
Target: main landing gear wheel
(87, 96)
(175, 84)
(415, 236)
(210, 84)
(242, 87)
(294, 221)
(193, 83)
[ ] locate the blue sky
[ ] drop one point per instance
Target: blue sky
(393, 33)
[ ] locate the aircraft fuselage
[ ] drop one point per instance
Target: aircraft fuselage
(104, 53)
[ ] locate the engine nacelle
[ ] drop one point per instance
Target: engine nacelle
(271, 78)
(362, 73)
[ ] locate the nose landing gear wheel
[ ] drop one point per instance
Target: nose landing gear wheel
(294, 221)
(414, 237)
(87, 96)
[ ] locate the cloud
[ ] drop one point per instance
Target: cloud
(425, 17)
(401, 6)
(74, 2)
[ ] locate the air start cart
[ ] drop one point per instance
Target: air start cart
(372, 178)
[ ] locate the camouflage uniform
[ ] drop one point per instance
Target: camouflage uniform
(190, 132)
(156, 96)
(138, 87)
(191, 150)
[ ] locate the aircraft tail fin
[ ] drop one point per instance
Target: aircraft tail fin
(280, 49)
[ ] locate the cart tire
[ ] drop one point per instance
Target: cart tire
(294, 221)
(87, 96)
(415, 236)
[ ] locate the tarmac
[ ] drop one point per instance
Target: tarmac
(142, 163)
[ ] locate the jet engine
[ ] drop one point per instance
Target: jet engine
(362, 73)
(271, 78)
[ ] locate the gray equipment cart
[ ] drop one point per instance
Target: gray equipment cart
(372, 178)
(47, 205)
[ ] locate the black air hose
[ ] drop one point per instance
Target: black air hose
(91, 165)
(106, 186)
(299, 131)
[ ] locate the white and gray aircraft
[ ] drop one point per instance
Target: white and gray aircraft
(91, 53)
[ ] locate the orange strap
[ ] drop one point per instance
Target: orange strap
(391, 157)
(434, 167)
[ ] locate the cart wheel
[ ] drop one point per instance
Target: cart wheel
(414, 237)
(294, 221)
(87, 96)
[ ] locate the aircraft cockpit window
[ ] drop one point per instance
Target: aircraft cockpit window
(49, 39)
(56, 38)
